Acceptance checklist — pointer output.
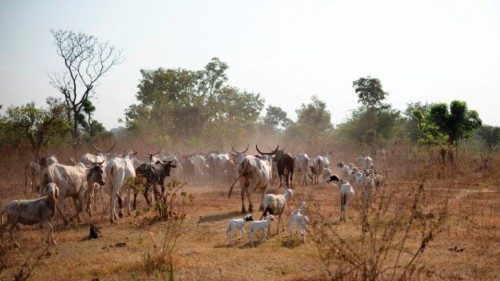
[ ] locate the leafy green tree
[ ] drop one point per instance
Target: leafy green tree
(370, 92)
(38, 126)
(313, 125)
(314, 117)
(181, 105)
(412, 123)
(213, 77)
(490, 137)
(374, 121)
(165, 98)
(276, 118)
(447, 125)
(359, 127)
(233, 115)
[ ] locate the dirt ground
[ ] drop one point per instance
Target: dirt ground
(201, 254)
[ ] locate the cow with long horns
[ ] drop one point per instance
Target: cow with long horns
(284, 164)
(88, 159)
(254, 173)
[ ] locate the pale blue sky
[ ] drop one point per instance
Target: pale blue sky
(432, 51)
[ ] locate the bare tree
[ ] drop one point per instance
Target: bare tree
(86, 60)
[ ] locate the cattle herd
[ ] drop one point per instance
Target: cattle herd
(86, 181)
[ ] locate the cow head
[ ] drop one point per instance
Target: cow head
(167, 165)
(96, 174)
(327, 155)
(237, 156)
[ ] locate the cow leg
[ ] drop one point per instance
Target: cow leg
(101, 193)
(89, 197)
(249, 198)
(134, 204)
(129, 197)
(112, 200)
(12, 228)
(146, 196)
(342, 207)
(263, 195)
(78, 207)
(279, 220)
(50, 237)
(243, 201)
(60, 207)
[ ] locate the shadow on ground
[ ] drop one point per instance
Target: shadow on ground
(218, 217)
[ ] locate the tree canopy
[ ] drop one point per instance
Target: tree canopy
(191, 105)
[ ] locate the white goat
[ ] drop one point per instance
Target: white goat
(29, 212)
(326, 173)
(237, 225)
(298, 221)
(356, 177)
(367, 162)
(275, 204)
(346, 193)
(259, 225)
(344, 169)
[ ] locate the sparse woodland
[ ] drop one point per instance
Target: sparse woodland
(436, 217)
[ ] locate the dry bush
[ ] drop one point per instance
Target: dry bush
(158, 260)
(385, 241)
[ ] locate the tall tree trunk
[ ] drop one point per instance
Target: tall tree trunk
(74, 131)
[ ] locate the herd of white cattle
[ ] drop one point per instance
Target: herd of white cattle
(86, 180)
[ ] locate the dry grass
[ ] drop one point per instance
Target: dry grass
(473, 224)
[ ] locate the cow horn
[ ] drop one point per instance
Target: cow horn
(283, 149)
(111, 148)
(95, 148)
(242, 152)
(258, 150)
(97, 163)
(101, 150)
(277, 148)
(326, 153)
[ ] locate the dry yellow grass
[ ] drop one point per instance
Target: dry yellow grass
(202, 255)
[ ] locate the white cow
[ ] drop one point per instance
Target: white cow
(118, 171)
(301, 167)
(200, 166)
(88, 159)
(318, 164)
(254, 173)
(366, 162)
(71, 181)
